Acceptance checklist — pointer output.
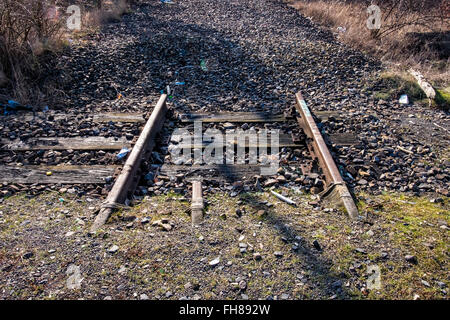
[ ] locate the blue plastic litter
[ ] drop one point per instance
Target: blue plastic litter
(203, 65)
(149, 176)
(123, 152)
(179, 83)
(13, 106)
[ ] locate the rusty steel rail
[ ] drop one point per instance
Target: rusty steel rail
(337, 190)
(197, 203)
(126, 182)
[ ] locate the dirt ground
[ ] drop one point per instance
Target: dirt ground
(266, 250)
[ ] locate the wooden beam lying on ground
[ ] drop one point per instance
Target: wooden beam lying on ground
(73, 143)
(58, 174)
(233, 117)
(220, 172)
(100, 117)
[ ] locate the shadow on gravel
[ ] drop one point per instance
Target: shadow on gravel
(203, 67)
(326, 282)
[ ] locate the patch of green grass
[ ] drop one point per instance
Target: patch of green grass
(411, 222)
(394, 85)
(443, 98)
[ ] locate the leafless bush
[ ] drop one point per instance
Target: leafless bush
(431, 15)
(26, 32)
(31, 31)
(106, 11)
(413, 32)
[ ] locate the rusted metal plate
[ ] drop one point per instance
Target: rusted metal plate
(320, 150)
(74, 143)
(59, 174)
(232, 117)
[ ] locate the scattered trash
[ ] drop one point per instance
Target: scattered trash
(49, 173)
(113, 249)
(119, 96)
(74, 280)
(167, 1)
(283, 198)
(179, 83)
(123, 152)
(149, 176)
(214, 262)
(203, 65)
(45, 109)
(168, 90)
(405, 150)
(61, 200)
(403, 99)
(14, 106)
(342, 29)
(440, 127)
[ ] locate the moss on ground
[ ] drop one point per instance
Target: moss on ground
(443, 98)
(393, 85)
(172, 264)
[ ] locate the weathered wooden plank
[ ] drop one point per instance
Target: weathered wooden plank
(285, 140)
(101, 117)
(324, 115)
(344, 139)
(119, 117)
(215, 172)
(59, 174)
(74, 143)
(233, 117)
(337, 114)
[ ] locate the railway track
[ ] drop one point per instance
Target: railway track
(291, 141)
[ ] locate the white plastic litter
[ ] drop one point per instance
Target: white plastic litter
(283, 198)
(403, 99)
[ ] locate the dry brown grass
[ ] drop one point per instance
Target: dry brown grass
(396, 42)
(110, 11)
(30, 38)
(26, 33)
